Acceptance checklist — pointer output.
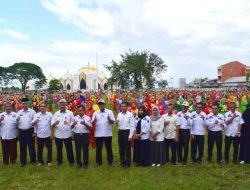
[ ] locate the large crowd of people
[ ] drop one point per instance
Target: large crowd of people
(160, 127)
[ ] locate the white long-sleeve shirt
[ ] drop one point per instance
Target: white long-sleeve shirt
(157, 126)
(126, 122)
(63, 129)
(43, 127)
(145, 126)
(232, 128)
(198, 126)
(26, 118)
(8, 126)
(80, 128)
(185, 123)
(210, 121)
(103, 127)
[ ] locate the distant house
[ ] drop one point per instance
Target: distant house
(232, 74)
(203, 83)
(235, 82)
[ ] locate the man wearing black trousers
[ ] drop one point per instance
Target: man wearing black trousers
(103, 119)
(81, 126)
(215, 123)
(171, 132)
(26, 132)
(126, 124)
(198, 134)
(44, 133)
(233, 121)
(185, 125)
(62, 122)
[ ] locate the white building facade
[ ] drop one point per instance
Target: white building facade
(87, 78)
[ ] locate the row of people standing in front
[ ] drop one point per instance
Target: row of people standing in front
(154, 135)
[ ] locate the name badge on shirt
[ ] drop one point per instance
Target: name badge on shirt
(65, 121)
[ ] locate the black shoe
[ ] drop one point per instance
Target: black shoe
(184, 163)
(23, 164)
(79, 166)
(226, 162)
(85, 167)
(71, 165)
(33, 163)
(58, 164)
(209, 161)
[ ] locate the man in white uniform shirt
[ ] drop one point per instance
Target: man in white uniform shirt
(81, 126)
(103, 119)
(215, 123)
(26, 132)
(233, 121)
(44, 133)
(171, 132)
(8, 127)
(62, 122)
(198, 130)
(125, 122)
(185, 118)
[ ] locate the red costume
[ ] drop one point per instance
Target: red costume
(89, 111)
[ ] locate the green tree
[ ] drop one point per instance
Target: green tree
(119, 75)
(11, 88)
(54, 85)
(2, 75)
(162, 83)
(25, 72)
(137, 69)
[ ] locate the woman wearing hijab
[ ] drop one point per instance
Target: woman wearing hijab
(157, 150)
(245, 137)
(142, 142)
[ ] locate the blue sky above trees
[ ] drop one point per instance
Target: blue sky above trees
(192, 37)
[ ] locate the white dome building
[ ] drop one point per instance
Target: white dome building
(67, 81)
(87, 78)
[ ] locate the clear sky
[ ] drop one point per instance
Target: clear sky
(193, 37)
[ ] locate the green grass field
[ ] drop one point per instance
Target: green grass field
(205, 176)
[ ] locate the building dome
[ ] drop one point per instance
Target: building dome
(87, 69)
(67, 75)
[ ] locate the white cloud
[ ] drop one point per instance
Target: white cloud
(3, 20)
(96, 21)
(193, 37)
(14, 34)
(58, 56)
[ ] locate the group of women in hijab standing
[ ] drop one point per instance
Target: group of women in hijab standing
(149, 138)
